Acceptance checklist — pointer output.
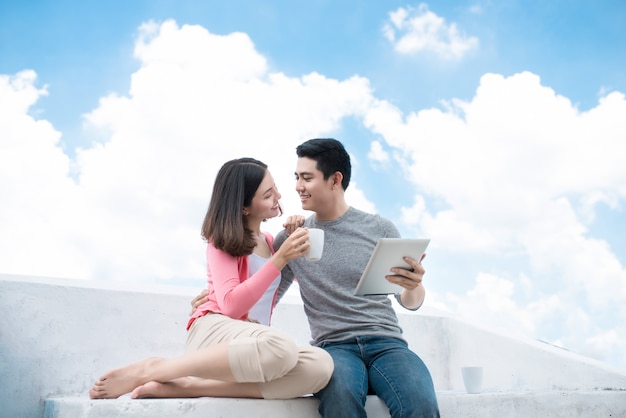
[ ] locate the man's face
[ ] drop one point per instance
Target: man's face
(314, 191)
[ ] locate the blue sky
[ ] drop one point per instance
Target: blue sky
(496, 128)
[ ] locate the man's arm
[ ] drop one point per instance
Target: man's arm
(412, 299)
(286, 275)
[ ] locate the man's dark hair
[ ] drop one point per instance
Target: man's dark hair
(330, 155)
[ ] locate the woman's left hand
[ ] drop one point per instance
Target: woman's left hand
(198, 300)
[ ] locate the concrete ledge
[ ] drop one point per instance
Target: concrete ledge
(74, 407)
(452, 404)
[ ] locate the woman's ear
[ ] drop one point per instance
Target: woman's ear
(245, 212)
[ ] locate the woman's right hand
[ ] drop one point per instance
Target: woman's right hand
(296, 245)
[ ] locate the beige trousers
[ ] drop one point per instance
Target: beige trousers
(258, 353)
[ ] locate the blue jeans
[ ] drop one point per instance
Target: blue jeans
(382, 366)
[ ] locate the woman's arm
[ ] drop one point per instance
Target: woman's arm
(235, 293)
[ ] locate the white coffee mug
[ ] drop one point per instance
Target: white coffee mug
(316, 239)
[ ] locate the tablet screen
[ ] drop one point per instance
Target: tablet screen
(388, 253)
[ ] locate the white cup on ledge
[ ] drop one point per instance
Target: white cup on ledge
(472, 378)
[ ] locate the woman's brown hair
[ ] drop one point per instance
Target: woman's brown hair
(235, 186)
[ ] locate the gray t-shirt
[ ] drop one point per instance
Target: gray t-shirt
(327, 286)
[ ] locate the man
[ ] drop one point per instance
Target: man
(361, 333)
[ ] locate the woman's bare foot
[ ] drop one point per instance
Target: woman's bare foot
(117, 382)
(177, 388)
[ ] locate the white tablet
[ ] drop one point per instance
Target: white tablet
(388, 253)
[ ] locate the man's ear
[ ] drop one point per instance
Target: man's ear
(337, 179)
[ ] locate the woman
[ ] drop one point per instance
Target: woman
(232, 355)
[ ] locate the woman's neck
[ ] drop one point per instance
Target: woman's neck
(255, 227)
(262, 248)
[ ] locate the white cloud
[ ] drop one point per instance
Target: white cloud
(135, 209)
(605, 341)
(38, 230)
(476, 9)
(355, 197)
(490, 303)
(377, 154)
(414, 30)
(498, 160)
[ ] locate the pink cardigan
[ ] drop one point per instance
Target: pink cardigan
(232, 291)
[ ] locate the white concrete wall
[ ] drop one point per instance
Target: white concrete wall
(510, 364)
(58, 336)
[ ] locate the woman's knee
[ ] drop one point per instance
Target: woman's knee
(278, 354)
(318, 367)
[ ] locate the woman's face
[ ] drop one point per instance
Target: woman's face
(264, 204)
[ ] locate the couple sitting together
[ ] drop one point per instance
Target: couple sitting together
(231, 351)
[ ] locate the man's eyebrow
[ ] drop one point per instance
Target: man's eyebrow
(303, 173)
